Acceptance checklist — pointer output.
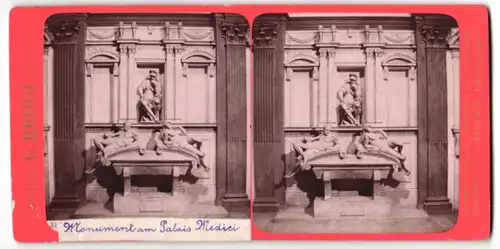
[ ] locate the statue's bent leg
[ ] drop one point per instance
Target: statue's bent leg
(195, 142)
(101, 144)
(299, 150)
(201, 156)
(396, 146)
(145, 104)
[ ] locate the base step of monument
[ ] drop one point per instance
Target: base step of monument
(298, 214)
(98, 210)
(363, 207)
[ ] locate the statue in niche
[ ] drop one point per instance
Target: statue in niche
(323, 142)
(175, 135)
(377, 140)
(110, 142)
(149, 92)
(350, 102)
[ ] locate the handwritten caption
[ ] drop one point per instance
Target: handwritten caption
(163, 226)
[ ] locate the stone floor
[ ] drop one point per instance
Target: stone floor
(278, 223)
(97, 210)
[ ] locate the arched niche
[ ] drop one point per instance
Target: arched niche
(102, 57)
(400, 61)
(301, 90)
(198, 82)
(399, 75)
(101, 73)
(301, 62)
(199, 58)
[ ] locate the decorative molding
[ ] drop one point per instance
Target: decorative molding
(410, 61)
(209, 57)
(121, 30)
(373, 35)
(173, 31)
(404, 60)
(200, 35)
(323, 53)
(265, 36)
(435, 36)
(169, 49)
(370, 51)
(235, 33)
(131, 49)
(89, 69)
(92, 52)
(296, 56)
(327, 35)
(134, 29)
(102, 34)
(332, 52)
(47, 36)
(454, 38)
(303, 40)
(398, 39)
(123, 49)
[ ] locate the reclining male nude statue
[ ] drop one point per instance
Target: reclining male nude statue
(176, 134)
(323, 142)
(108, 143)
(377, 140)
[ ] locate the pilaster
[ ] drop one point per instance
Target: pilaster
(433, 125)
(235, 34)
(269, 138)
(69, 111)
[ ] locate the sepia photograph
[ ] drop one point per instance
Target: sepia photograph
(146, 115)
(355, 122)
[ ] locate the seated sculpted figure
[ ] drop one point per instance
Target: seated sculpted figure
(149, 92)
(377, 140)
(323, 142)
(350, 102)
(177, 135)
(120, 139)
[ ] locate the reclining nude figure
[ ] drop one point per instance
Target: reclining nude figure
(108, 143)
(323, 142)
(377, 140)
(176, 134)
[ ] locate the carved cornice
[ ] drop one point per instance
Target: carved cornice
(235, 33)
(265, 36)
(435, 36)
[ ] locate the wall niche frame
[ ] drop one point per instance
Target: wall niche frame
(204, 59)
(98, 57)
(400, 61)
(303, 62)
(403, 62)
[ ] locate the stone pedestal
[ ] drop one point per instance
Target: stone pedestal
(139, 203)
(385, 204)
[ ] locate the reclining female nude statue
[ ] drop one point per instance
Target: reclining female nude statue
(377, 140)
(323, 142)
(177, 135)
